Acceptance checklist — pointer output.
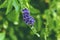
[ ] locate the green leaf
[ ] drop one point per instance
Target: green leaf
(2, 36)
(33, 10)
(4, 4)
(39, 23)
(9, 6)
(13, 17)
(5, 24)
(11, 34)
(16, 5)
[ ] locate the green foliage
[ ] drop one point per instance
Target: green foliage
(2, 36)
(45, 12)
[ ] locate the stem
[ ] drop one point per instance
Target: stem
(35, 31)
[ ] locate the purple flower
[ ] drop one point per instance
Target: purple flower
(29, 20)
(25, 11)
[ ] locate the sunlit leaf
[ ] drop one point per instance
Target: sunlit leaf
(9, 6)
(13, 17)
(2, 36)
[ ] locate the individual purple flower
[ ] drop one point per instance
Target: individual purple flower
(31, 20)
(25, 11)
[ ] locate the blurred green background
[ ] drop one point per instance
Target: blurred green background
(45, 12)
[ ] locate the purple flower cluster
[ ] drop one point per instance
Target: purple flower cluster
(29, 20)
